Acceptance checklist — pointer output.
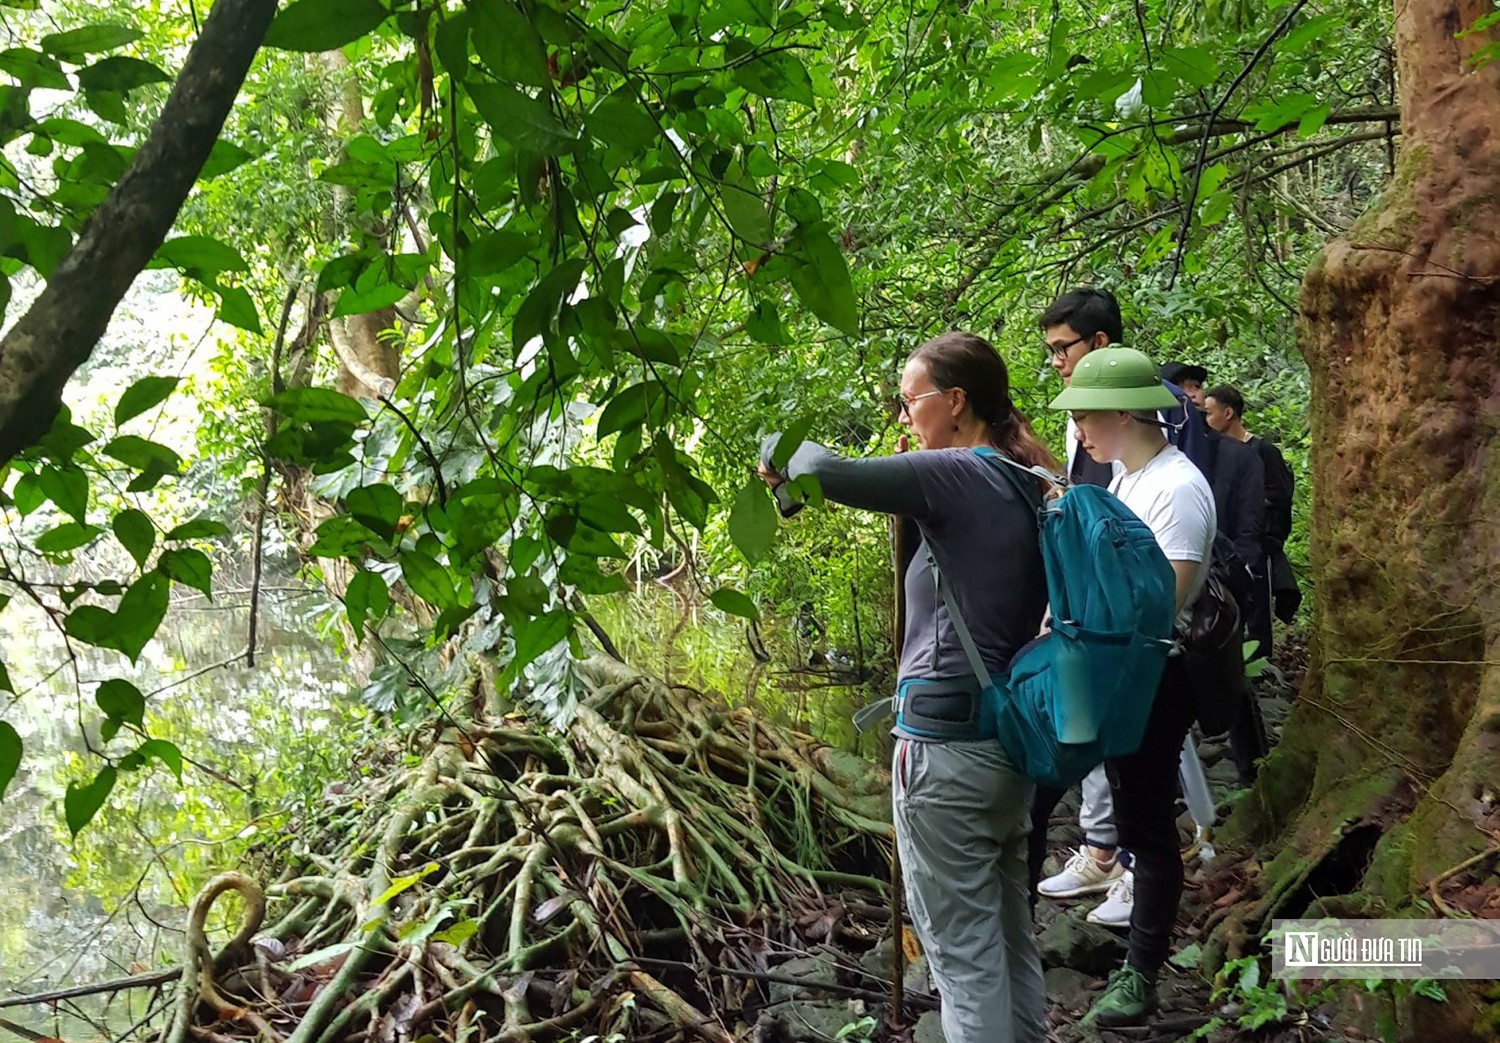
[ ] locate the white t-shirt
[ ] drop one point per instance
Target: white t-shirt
(1173, 498)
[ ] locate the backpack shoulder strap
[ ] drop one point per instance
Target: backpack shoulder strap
(971, 651)
(1028, 494)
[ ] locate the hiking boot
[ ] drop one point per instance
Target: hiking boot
(1115, 910)
(1081, 876)
(1128, 999)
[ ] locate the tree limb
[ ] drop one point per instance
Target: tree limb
(1187, 210)
(59, 331)
(1066, 178)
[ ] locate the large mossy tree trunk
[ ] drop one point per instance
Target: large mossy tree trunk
(1388, 772)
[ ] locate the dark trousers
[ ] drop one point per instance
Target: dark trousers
(1257, 614)
(1247, 737)
(1145, 788)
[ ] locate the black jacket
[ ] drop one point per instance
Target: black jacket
(1237, 477)
(1280, 485)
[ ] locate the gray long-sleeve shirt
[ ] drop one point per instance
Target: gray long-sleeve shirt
(980, 530)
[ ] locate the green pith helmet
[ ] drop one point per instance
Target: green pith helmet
(1115, 378)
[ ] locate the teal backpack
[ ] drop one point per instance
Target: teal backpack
(1083, 691)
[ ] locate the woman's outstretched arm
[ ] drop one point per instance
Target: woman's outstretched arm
(888, 484)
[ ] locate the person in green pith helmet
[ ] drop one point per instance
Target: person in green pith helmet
(1113, 399)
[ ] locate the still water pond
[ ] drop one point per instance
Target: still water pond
(111, 903)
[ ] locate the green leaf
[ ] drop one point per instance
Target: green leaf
(198, 255)
(764, 324)
(316, 405)
(34, 69)
(82, 803)
(46, 245)
(780, 74)
(451, 44)
(141, 396)
(143, 454)
(738, 12)
(237, 308)
(624, 412)
(222, 158)
(427, 579)
(188, 566)
(537, 636)
(525, 122)
(66, 537)
(1314, 28)
(136, 534)
(402, 883)
(164, 751)
(139, 614)
(376, 507)
(198, 529)
(342, 271)
(744, 208)
(27, 494)
(794, 435)
(621, 121)
(1215, 208)
(1193, 65)
(1313, 119)
(91, 624)
(68, 487)
(323, 25)
(505, 40)
(89, 39)
(1188, 958)
(10, 755)
(120, 700)
(366, 596)
(726, 599)
(456, 935)
(580, 538)
(342, 537)
(838, 18)
(752, 522)
(121, 74)
(319, 956)
(538, 312)
(494, 253)
(108, 105)
(1158, 88)
(821, 280)
(362, 302)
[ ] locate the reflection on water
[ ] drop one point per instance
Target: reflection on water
(112, 904)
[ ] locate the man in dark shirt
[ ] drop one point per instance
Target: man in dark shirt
(1225, 413)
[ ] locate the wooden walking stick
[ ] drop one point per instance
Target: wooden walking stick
(901, 554)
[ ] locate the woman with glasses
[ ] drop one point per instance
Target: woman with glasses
(960, 807)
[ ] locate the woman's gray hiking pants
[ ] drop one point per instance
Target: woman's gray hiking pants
(962, 817)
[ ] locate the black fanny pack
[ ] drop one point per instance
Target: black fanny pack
(950, 708)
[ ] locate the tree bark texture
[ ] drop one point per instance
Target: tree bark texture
(59, 331)
(1388, 771)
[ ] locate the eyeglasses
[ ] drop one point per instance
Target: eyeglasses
(1057, 351)
(905, 403)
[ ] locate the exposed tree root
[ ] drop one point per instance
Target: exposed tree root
(643, 870)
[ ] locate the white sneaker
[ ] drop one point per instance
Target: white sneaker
(1115, 910)
(1081, 876)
